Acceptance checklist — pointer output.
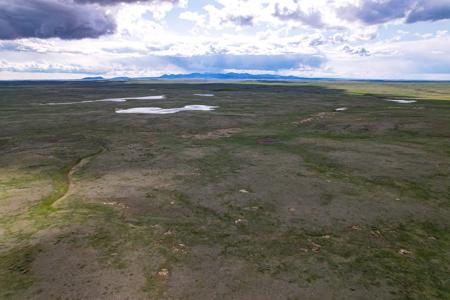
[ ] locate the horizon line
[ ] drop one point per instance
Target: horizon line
(274, 77)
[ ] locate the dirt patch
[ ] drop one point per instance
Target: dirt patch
(210, 275)
(216, 134)
(216, 277)
(76, 271)
(195, 153)
(316, 117)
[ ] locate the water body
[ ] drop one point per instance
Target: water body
(204, 95)
(87, 101)
(163, 111)
(401, 101)
(147, 98)
(160, 97)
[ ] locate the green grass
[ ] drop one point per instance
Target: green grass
(60, 182)
(423, 91)
(60, 186)
(419, 275)
(15, 267)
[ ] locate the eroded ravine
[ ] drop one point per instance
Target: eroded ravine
(80, 163)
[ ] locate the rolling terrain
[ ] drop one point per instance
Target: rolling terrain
(272, 195)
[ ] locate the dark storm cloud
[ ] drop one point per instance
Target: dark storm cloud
(52, 18)
(373, 12)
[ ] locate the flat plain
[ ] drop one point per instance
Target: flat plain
(272, 195)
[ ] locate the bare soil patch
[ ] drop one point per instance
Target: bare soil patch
(216, 134)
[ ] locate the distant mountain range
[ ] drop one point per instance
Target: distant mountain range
(242, 76)
(230, 76)
(93, 78)
(206, 76)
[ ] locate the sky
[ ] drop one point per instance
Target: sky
(359, 39)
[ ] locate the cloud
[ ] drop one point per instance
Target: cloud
(52, 18)
(64, 19)
(115, 2)
(313, 18)
(299, 37)
(430, 11)
(373, 12)
(356, 51)
(146, 65)
(154, 65)
(195, 17)
(229, 16)
(240, 20)
(39, 67)
(222, 62)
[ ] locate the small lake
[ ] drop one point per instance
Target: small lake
(163, 111)
(159, 97)
(401, 101)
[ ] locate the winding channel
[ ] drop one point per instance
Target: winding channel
(69, 175)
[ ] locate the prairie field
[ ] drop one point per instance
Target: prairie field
(238, 190)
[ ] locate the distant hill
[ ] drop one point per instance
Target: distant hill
(234, 76)
(96, 78)
(230, 76)
(241, 76)
(206, 76)
(120, 78)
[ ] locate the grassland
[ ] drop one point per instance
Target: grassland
(274, 195)
(399, 89)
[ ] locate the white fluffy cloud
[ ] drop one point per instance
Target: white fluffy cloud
(345, 38)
